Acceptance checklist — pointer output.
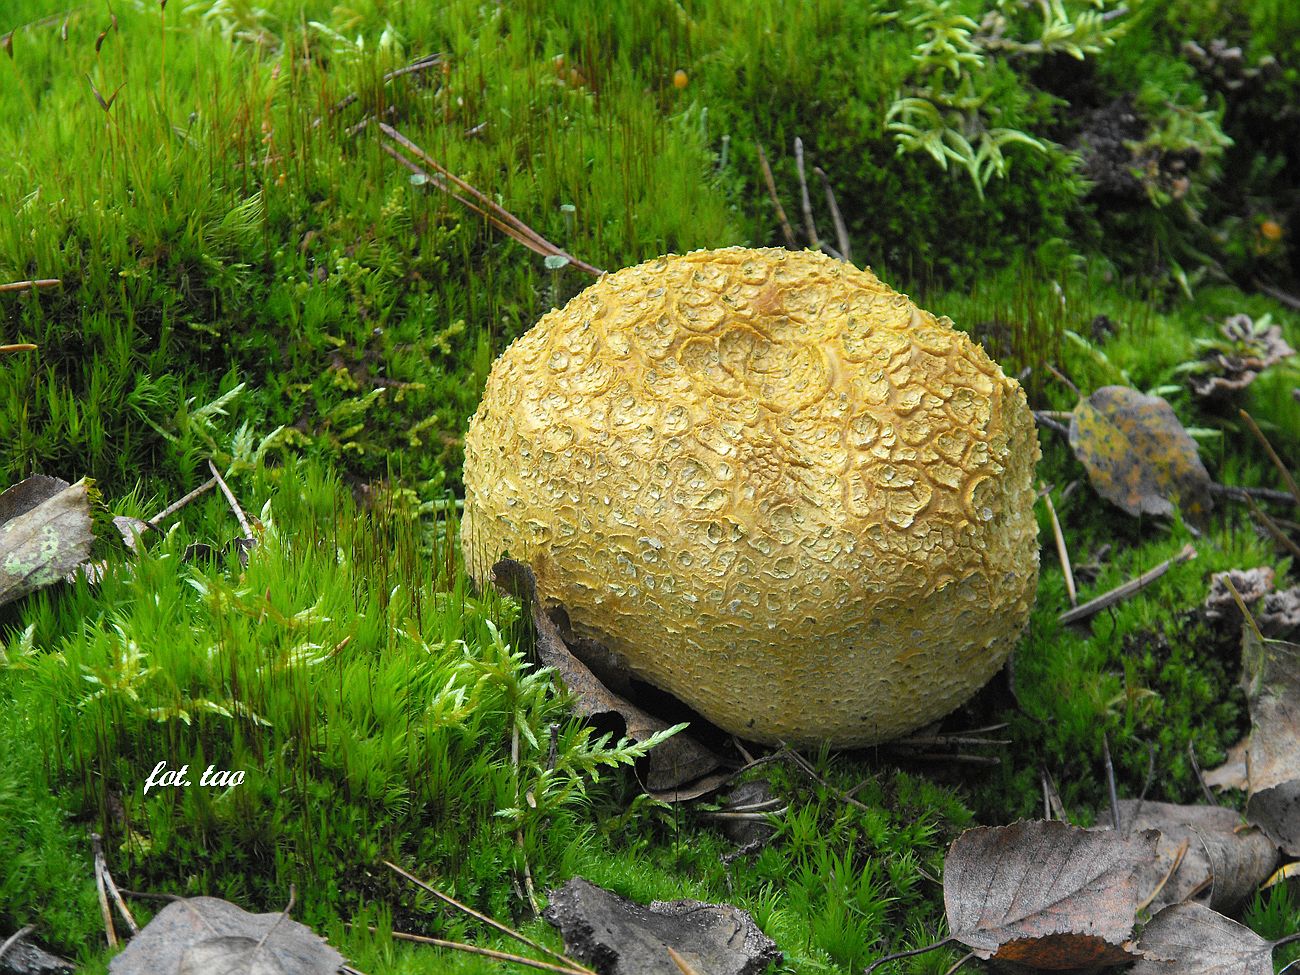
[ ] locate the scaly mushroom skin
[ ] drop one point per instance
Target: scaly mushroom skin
(771, 484)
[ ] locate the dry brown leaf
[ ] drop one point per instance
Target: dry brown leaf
(1045, 893)
(679, 760)
(1271, 674)
(1138, 455)
(45, 532)
(1232, 773)
(209, 936)
(1199, 847)
(1191, 939)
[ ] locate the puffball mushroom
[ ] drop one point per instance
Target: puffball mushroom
(771, 485)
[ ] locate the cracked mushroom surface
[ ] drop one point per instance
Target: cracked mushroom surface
(771, 485)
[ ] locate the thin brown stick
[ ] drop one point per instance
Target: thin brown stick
(418, 65)
(105, 911)
(1125, 590)
(959, 962)
(497, 925)
(1273, 528)
(786, 229)
(122, 909)
(841, 231)
(682, 964)
(951, 741)
(230, 497)
(31, 285)
(1053, 797)
(489, 953)
(811, 772)
(529, 239)
(484, 201)
(176, 506)
(16, 937)
(1290, 300)
(1235, 492)
(1062, 377)
(20, 347)
(810, 228)
(519, 833)
(545, 248)
(1110, 782)
(904, 954)
(1173, 869)
(1062, 552)
(1196, 770)
(1272, 455)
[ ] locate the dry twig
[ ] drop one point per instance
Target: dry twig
(471, 197)
(1062, 552)
(230, 497)
(490, 953)
(1272, 455)
(786, 229)
(418, 65)
(809, 226)
(16, 937)
(31, 285)
(1127, 589)
(104, 909)
(176, 506)
(841, 231)
(490, 922)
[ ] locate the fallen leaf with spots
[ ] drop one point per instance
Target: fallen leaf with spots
(1138, 455)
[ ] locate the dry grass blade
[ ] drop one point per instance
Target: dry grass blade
(31, 285)
(21, 347)
(489, 953)
(490, 922)
(1062, 552)
(809, 226)
(786, 229)
(1164, 881)
(109, 933)
(522, 232)
(1127, 589)
(1272, 455)
(841, 231)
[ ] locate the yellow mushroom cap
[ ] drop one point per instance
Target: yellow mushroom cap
(770, 484)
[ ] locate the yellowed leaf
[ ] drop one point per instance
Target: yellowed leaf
(1138, 455)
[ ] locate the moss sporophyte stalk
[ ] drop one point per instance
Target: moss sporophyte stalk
(773, 485)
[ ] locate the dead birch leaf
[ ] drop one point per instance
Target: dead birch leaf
(1200, 847)
(1232, 773)
(1138, 455)
(45, 532)
(621, 937)
(1045, 893)
(675, 762)
(1191, 939)
(209, 936)
(1271, 674)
